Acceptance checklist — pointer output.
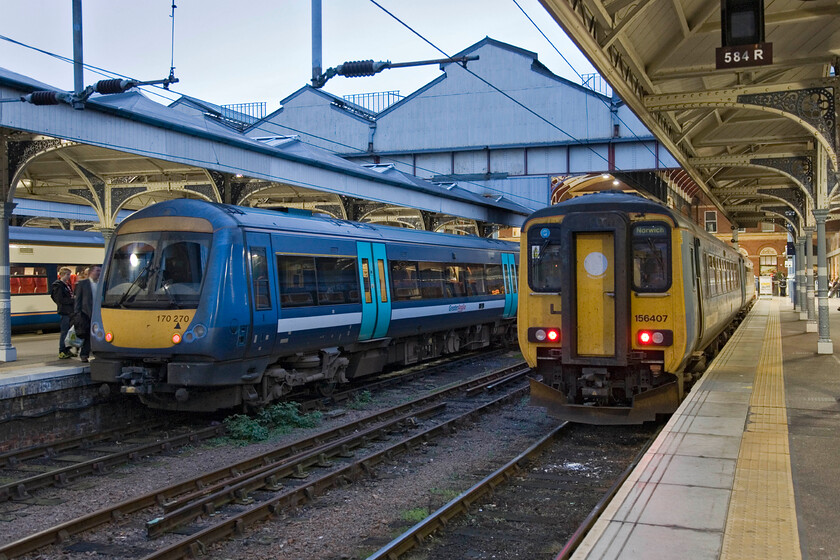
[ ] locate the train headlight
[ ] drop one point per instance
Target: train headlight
(655, 338)
(176, 338)
(544, 334)
(200, 331)
(109, 337)
(96, 330)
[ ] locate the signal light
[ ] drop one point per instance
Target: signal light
(176, 338)
(553, 335)
(109, 337)
(645, 337)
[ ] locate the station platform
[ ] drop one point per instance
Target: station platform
(749, 465)
(38, 369)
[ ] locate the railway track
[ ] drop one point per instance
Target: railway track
(59, 463)
(540, 488)
(218, 504)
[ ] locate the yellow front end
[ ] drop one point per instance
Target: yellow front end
(145, 328)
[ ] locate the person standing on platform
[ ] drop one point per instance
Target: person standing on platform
(86, 291)
(62, 294)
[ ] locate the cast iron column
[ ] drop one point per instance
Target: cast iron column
(811, 326)
(800, 278)
(8, 353)
(824, 344)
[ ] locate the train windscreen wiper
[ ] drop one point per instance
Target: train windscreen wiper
(173, 303)
(146, 270)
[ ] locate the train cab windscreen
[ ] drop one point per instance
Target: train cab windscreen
(157, 270)
(544, 258)
(651, 257)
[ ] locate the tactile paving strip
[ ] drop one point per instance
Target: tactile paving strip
(761, 523)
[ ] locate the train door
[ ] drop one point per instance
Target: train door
(698, 287)
(263, 306)
(595, 332)
(509, 274)
(376, 297)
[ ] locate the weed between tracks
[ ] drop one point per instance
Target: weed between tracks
(274, 420)
(361, 400)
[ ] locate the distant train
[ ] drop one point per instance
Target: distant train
(622, 300)
(207, 306)
(35, 255)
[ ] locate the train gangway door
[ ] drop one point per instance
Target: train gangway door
(509, 273)
(595, 274)
(376, 297)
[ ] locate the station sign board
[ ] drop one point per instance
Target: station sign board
(742, 56)
(765, 285)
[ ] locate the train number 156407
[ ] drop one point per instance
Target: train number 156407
(651, 318)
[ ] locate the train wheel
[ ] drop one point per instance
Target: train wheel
(326, 388)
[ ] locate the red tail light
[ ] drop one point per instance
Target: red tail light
(545, 334)
(655, 338)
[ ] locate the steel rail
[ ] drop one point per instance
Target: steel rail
(584, 528)
(62, 532)
(461, 504)
(395, 378)
(19, 489)
(196, 544)
(11, 459)
(191, 507)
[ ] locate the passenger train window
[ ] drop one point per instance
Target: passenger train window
(259, 278)
(28, 280)
(431, 280)
(651, 248)
(404, 280)
(545, 254)
(473, 276)
(494, 279)
(454, 283)
(338, 280)
(308, 281)
(297, 280)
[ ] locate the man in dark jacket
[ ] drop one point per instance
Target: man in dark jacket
(62, 294)
(86, 291)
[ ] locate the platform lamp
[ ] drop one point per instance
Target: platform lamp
(741, 22)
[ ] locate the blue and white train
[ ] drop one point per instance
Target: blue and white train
(206, 306)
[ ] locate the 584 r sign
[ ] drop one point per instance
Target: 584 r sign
(739, 56)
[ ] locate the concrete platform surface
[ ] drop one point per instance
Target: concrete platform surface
(749, 465)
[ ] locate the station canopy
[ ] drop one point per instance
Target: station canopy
(760, 139)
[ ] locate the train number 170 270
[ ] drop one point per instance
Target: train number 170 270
(173, 318)
(651, 318)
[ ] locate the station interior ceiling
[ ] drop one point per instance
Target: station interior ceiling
(759, 140)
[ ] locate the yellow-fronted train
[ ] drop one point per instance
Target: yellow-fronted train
(622, 302)
(207, 306)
